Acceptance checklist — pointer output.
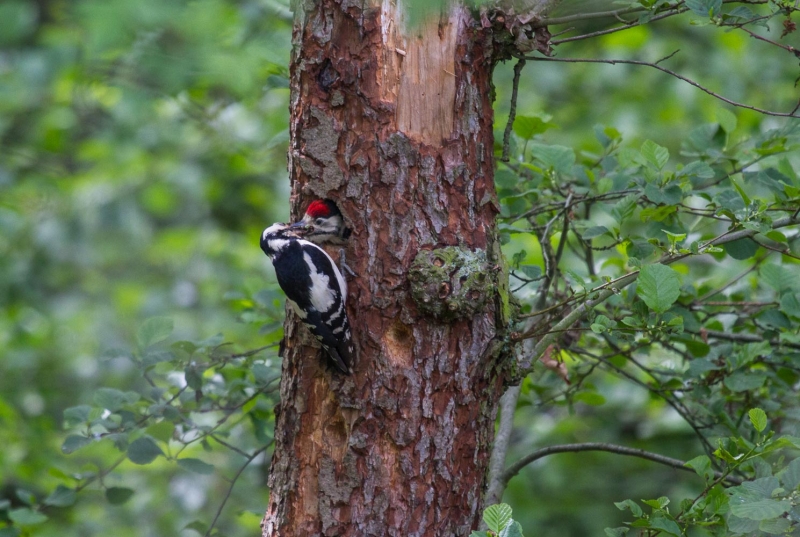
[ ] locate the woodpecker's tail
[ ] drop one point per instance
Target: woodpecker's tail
(342, 357)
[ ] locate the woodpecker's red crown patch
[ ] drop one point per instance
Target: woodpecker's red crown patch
(320, 208)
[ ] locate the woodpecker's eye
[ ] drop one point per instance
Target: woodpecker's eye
(319, 221)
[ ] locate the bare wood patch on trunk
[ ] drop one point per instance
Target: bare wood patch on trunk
(418, 72)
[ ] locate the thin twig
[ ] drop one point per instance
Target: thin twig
(743, 304)
(551, 265)
(630, 24)
(754, 35)
(512, 113)
(673, 402)
(745, 338)
(250, 459)
(551, 21)
(670, 72)
(101, 474)
(785, 251)
(733, 281)
(515, 468)
(241, 452)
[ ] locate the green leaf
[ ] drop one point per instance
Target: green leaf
(555, 157)
(663, 522)
(593, 232)
(26, 517)
(775, 526)
(153, 330)
(744, 381)
(757, 489)
(506, 179)
(602, 324)
(161, 431)
(674, 237)
(758, 418)
(118, 495)
(741, 525)
(741, 249)
(9, 531)
(659, 287)
(704, 8)
(473, 534)
(616, 532)
(745, 198)
(658, 214)
(589, 398)
(729, 200)
(196, 465)
(533, 272)
(143, 450)
(76, 415)
(726, 119)
(659, 503)
(109, 398)
(698, 168)
(194, 378)
(629, 504)
(790, 476)
(702, 465)
(514, 529)
(624, 208)
(526, 127)
(655, 154)
(74, 442)
(261, 373)
(497, 516)
(61, 497)
(759, 509)
(777, 236)
(778, 277)
(740, 12)
(202, 528)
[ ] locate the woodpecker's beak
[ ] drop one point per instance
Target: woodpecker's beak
(301, 228)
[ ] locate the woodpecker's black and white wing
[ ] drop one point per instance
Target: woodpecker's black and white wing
(316, 291)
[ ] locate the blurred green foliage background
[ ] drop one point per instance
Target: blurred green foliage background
(142, 150)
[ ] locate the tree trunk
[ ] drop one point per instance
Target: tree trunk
(398, 131)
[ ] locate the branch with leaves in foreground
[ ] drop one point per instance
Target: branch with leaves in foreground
(603, 292)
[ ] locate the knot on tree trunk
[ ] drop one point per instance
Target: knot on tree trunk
(451, 283)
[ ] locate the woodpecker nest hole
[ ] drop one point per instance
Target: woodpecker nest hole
(451, 283)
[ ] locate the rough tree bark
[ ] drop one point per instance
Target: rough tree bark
(397, 129)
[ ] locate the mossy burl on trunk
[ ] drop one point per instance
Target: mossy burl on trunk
(398, 131)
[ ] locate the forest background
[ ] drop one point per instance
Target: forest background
(143, 149)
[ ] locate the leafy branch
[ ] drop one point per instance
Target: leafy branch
(602, 292)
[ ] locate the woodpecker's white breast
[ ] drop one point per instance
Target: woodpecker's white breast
(322, 296)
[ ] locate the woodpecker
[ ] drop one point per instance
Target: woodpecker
(324, 223)
(314, 288)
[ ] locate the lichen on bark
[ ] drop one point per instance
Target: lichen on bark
(451, 283)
